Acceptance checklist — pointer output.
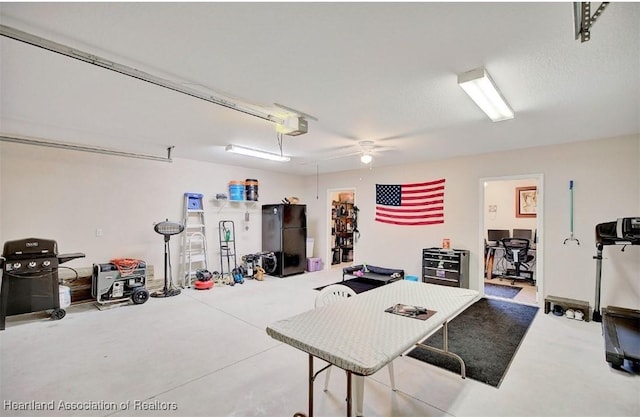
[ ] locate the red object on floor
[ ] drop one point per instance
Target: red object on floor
(203, 285)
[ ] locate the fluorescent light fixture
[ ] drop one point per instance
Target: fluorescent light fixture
(480, 87)
(256, 153)
(366, 158)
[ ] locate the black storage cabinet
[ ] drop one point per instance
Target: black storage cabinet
(448, 267)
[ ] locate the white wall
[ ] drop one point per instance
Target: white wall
(606, 177)
(66, 195)
(502, 195)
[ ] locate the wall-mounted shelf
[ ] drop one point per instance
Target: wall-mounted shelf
(235, 204)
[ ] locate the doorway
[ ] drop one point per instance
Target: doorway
(512, 207)
(342, 223)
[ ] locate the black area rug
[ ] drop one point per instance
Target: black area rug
(486, 335)
(502, 291)
(357, 284)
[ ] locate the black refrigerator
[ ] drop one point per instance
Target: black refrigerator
(284, 232)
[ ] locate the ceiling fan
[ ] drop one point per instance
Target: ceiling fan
(367, 149)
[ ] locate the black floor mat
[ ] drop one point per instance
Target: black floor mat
(486, 335)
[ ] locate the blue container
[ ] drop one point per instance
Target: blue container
(236, 190)
(411, 278)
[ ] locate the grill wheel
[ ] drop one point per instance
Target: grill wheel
(58, 314)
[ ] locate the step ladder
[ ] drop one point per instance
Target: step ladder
(228, 260)
(193, 255)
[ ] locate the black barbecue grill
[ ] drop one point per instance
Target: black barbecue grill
(30, 277)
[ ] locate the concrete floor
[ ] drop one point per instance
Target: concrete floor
(207, 354)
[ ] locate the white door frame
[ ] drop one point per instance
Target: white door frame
(329, 253)
(539, 230)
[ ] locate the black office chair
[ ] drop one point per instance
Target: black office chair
(516, 251)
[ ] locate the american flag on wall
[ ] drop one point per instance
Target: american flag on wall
(416, 204)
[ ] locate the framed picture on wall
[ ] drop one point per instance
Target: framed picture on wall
(526, 201)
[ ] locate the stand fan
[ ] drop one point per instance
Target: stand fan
(167, 229)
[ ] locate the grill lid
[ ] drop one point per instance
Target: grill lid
(29, 248)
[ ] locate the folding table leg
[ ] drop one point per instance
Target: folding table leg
(311, 378)
(349, 399)
(445, 349)
(445, 337)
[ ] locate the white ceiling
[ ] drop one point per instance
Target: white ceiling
(368, 71)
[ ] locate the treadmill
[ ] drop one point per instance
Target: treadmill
(620, 326)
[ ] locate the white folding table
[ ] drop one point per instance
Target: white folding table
(357, 335)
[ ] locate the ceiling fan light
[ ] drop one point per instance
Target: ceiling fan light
(483, 91)
(366, 158)
(256, 153)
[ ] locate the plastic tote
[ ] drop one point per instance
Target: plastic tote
(236, 190)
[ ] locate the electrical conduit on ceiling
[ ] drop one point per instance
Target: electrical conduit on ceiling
(70, 52)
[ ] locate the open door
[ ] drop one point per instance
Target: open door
(511, 215)
(342, 216)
